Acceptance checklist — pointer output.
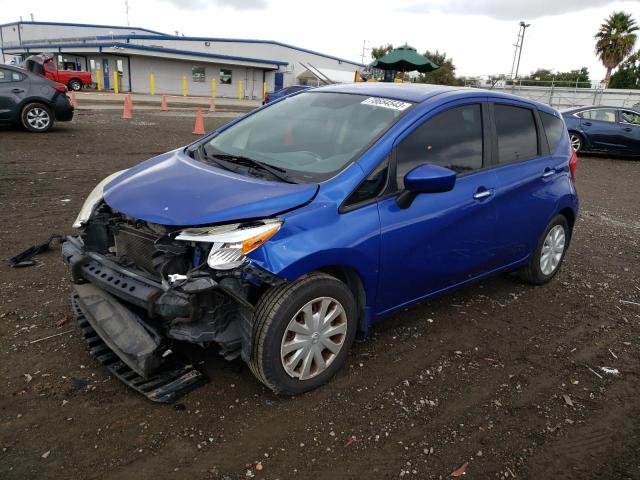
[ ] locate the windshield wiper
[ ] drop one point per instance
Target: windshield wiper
(199, 153)
(277, 172)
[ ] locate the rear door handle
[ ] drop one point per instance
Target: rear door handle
(479, 195)
(627, 129)
(548, 173)
(586, 124)
(17, 90)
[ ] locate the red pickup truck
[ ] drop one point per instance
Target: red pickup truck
(46, 66)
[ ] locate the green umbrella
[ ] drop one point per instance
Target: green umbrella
(405, 59)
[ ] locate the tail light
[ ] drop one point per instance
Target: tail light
(60, 88)
(573, 163)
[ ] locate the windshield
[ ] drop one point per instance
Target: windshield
(311, 136)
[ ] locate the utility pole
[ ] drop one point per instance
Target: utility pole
(126, 7)
(523, 29)
(364, 49)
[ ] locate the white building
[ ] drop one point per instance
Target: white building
(136, 53)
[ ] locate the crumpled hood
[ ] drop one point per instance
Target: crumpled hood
(174, 189)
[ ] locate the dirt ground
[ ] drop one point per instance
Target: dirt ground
(502, 376)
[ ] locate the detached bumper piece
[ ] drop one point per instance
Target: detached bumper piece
(136, 356)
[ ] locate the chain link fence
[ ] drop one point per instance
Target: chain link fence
(563, 96)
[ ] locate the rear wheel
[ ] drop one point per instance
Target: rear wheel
(549, 253)
(36, 117)
(302, 333)
(576, 141)
(75, 85)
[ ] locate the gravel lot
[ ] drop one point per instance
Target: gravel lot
(496, 376)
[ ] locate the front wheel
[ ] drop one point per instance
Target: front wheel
(75, 85)
(576, 141)
(302, 333)
(546, 259)
(36, 117)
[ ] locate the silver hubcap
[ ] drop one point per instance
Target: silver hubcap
(552, 250)
(38, 118)
(313, 338)
(575, 142)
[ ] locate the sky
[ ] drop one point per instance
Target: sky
(478, 35)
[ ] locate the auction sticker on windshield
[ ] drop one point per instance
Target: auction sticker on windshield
(386, 103)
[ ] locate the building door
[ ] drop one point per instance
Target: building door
(279, 83)
(106, 73)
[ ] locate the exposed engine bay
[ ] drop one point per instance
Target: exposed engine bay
(165, 277)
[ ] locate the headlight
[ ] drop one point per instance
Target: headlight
(231, 242)
(92, 201)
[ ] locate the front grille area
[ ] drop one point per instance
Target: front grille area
(136, 246)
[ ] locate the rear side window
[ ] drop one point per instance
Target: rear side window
(451, 139)
(517, 134)
(554, 128)
(10, 76)
(629, 117)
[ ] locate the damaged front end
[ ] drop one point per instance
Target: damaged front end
(140, 286)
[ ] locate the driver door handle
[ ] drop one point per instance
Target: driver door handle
(482, 194)
(627, 129)
(17, 90)
(586, 124)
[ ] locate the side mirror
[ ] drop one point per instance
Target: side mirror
(425, 179)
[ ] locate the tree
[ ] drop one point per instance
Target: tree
(628, 75)
(615, 41)
(545, 77)
(381, 51)
(445, 74)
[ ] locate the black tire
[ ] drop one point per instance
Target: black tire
(577, 141)
(75, 85)
(31, 111)
(533, 273)
(275, 309)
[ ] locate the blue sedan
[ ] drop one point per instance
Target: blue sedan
(283, 92)
(604, 129)
(281, 236)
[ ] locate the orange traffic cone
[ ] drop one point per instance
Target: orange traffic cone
(128, 107)
(212, 104)
(74, 100)
(199, 127)
(163, 104)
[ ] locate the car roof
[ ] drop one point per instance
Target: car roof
(409, 92)
(593, 107)
(420, 92)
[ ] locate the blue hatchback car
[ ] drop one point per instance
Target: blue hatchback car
(281, 236)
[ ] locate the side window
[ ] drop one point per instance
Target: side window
(600, 114)
(7, 76)
(629, 117)
(517, 133)
(554, 128)
(451, 139)
(371, 187)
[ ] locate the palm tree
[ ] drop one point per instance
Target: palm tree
(615, 41)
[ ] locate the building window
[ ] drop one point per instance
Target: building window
(197, 73)
(92, 62)
(226, 76)
(119, 66)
